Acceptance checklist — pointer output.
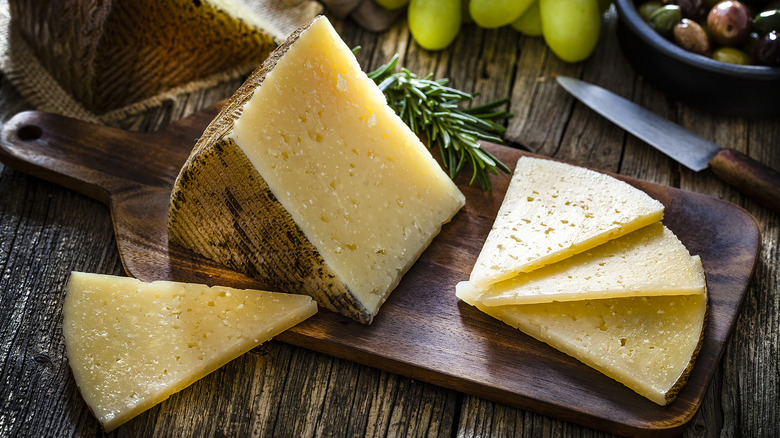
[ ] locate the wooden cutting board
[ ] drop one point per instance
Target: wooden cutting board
(423, 331)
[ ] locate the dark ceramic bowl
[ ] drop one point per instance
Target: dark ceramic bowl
(718, 87)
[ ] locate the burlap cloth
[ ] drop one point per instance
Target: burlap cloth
(39, 89)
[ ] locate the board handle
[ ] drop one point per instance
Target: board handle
(94, 160)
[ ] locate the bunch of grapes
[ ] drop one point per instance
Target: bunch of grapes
(569, 27)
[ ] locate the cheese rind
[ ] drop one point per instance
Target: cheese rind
(554, 210)
(131, 344)
(309, 181)
(650, 261)
(648, 344)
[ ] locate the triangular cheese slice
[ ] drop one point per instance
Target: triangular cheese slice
(310, 182)
(554, 210)
(131, 344)
(650, 261)
(647, 343)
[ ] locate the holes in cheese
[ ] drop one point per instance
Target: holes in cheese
(131, 345)
(646, 343)
(647, 262)
(578, 260)
(552, 211)
(308, 181)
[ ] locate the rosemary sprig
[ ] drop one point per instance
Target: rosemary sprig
(431, 108)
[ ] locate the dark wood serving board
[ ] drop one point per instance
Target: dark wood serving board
(422, 331)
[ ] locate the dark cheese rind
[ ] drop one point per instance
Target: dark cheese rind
(226, 222)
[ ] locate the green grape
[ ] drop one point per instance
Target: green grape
(491, 14)
(434, 23)
(530, 23)
(392, 4)
(570, 27)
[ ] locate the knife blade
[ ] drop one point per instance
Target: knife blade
(685, 147)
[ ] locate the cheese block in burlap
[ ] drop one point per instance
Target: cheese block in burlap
(109, 54)
(308, 181)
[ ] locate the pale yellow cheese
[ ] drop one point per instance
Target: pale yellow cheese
(650, 261)
(647, 343)
(338, 165)
(355, 179)
(554, 210)
(131, 345)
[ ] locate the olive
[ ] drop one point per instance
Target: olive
(664, 19)
(647, 8)
(696, 10)
(768, 50)
(689, 35)
(767, 21)
(731, 55)
(729, 23)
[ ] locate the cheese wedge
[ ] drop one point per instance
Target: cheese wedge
(554, 210)
(650, 261)
(308, 181)
(131, 344)
(648, 344)
(112, 53)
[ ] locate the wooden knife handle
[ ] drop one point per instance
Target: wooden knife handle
(748, 176)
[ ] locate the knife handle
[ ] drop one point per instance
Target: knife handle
(748, 176)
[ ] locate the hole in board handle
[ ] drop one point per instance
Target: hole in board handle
(29, 133)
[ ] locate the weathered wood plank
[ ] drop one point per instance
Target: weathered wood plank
(590, 139)
(751, 376)
(46, 231)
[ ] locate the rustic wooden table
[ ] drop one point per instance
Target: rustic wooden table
(47, 231)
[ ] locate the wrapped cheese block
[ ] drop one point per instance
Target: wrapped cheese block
(109, 54)
(308, 181)
(132, 345)
(552, 211)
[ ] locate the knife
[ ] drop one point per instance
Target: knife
(696, 153)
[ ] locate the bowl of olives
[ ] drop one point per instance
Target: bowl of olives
(719, 55)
